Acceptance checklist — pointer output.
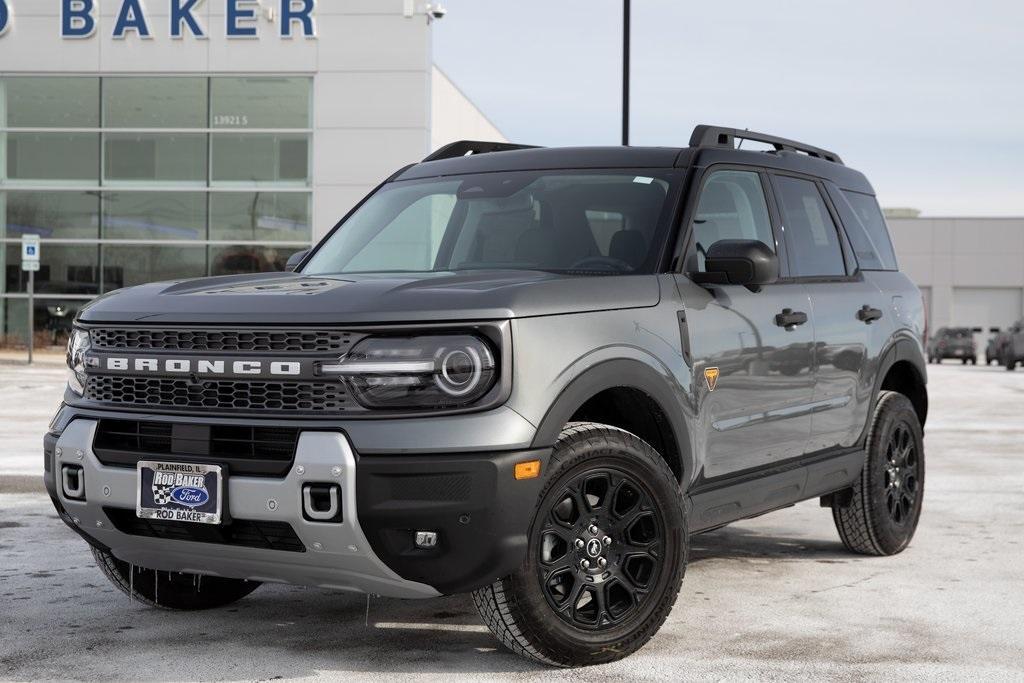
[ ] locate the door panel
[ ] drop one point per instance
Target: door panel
(756, 411)
(759, 412)
(846, 358)
(850, 316)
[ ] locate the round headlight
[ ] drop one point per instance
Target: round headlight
(436, 371)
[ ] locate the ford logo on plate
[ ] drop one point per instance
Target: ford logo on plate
(189, 496)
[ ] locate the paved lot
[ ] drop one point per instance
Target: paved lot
(771, 598)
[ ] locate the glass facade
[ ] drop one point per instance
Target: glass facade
(133, 179)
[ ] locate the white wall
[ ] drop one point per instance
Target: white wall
(455, 117)
(964, 262)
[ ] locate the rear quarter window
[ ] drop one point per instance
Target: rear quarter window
(868, 233)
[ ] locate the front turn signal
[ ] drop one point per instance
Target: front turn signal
(528, 470)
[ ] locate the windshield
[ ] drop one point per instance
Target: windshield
(580, 222)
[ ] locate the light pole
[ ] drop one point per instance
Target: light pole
(625, 72)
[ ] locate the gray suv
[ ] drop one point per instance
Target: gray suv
(530, 374)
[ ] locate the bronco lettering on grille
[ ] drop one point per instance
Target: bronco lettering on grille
(204, 367)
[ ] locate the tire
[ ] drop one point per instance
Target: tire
(964, 361)
(599, 475)
(1011, 364)
(881, 511)
(974, 360)
(172, 590)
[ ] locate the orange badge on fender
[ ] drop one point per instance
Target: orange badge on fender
(711, 377)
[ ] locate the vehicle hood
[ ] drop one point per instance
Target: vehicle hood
(274, 298)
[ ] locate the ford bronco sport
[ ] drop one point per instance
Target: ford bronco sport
(530, 374)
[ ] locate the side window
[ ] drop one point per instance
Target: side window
(811, 235)
(731, 206)
(876, 238)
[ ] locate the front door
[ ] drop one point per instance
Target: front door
(752, 352)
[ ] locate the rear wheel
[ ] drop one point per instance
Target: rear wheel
(879, 515)
(172, 590)
(607, 551)
(1011, 364)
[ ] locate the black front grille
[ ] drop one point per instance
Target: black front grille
(245, 449)
(240, 532)
(219, 394)
(269, 340)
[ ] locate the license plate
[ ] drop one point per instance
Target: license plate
(959, 352)
(180, 492)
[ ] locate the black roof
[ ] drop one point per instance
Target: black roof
(709, 145)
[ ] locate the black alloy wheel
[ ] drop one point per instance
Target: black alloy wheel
(901, 480)
(599, 548)
(606, 552)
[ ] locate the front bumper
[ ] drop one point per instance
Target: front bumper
(480, 512)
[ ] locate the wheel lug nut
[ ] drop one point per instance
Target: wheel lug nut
(601, 562)
(593, 529)
(585, 564)
(607, 540)
(580, 543)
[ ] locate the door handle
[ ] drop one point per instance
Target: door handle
(868, 315)
(790, 318)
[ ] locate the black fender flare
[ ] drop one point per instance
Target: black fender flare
(611, 374)
(900, 349)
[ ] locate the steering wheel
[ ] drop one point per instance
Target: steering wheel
(602, 263)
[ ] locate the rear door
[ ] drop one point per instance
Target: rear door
(848, 311)
(754, 376)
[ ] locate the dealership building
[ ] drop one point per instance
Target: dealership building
(141, 141)
(155, 139)
(970, 270)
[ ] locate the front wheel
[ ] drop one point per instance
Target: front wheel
(172, 590)
(607, 552)
(879, 515)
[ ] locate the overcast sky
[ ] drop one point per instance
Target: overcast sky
(926, 98)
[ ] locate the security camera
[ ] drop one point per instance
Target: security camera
(436, 11)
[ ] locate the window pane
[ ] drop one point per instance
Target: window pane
(154, 102)
(260, 102)
(260, 216)
(65, 215)
(126, 266)
(65, 269)
(239, 260)
(810, 232)
(520, 219)
(874, 239)
(261, 158)
(154, 156)
(52, 102)
(53, 319)
(53, 156)
(732, 206)
(410, 242)
(154, 215)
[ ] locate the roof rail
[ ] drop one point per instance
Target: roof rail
(717, 136)
(464, 148)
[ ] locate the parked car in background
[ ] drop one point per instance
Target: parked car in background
(994, 345)
(953, 342)
(1011, 345)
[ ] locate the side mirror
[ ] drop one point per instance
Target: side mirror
(295, 259)
(739, 262)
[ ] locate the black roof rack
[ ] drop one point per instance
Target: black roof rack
(717, 136)
(464, 148)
